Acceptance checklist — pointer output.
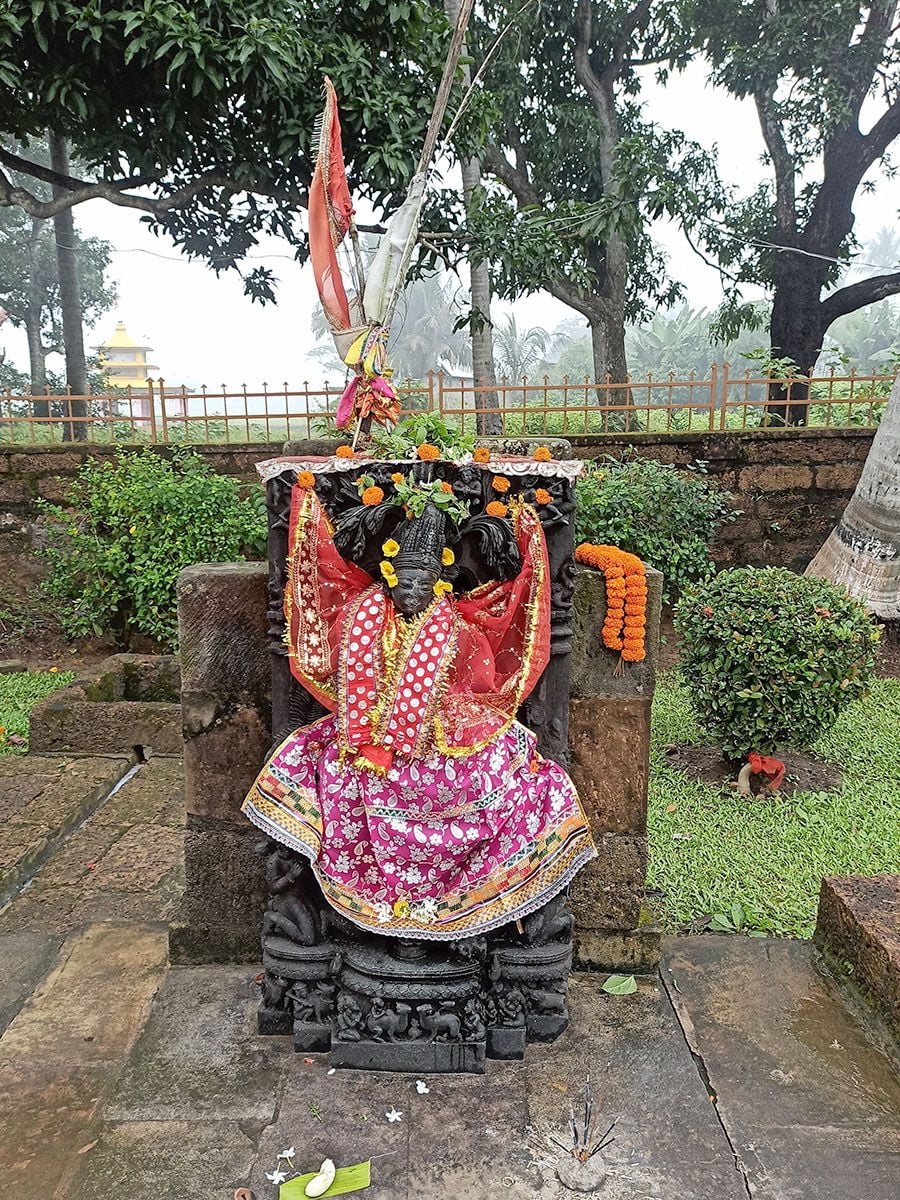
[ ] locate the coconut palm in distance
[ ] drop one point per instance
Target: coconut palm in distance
(863, 550)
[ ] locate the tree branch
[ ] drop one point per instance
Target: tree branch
(858, 295)
(516, 180)
(25, 166)
(783, 163)
(882, 133)
(113, 192)
(877, 29)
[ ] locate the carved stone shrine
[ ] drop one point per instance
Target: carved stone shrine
(420, 850)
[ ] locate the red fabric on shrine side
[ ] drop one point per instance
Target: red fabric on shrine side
(503, 642)
(320, 585)
(330, 210)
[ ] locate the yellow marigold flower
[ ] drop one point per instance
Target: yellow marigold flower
(427, 452)
(390, 548)
(482, 455)
(372, 495)
(496, 509)
(401, 909)
(542, 454)
(397, 477)
(448, 558)
(500, 483)
(344, 452)
(306, 479)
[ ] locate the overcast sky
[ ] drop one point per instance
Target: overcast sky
(204, 330)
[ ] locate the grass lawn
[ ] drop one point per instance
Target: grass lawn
(18, 695)
(711, 849)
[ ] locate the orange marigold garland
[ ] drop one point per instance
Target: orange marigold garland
(625, 625)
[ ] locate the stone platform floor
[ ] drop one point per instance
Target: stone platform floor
(737, 1074)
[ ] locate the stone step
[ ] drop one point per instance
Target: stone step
(42, 799)
(859, 925)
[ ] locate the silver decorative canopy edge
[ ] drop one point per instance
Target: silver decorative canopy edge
(570, 468)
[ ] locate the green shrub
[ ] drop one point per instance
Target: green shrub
(771, 658)
(127, 527)
(665, 516)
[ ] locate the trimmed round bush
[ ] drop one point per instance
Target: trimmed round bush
(665, 516)
(771, 657)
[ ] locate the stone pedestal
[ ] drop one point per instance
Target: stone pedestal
(226, 721)
(609, 758)
(858, 930)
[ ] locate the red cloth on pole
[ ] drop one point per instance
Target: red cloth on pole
(330, 211)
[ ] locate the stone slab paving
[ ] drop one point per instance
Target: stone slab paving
(25, 958)
(739, 1074)
(63, 1051)
(124, 862)
(810, 1106)
(199, 1070)
(42, 799)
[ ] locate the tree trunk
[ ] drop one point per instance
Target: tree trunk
(69, 296)
(796, 331)
(862, 552)
(488, 423)
(37, 364)
(608, 347)
(37, 358)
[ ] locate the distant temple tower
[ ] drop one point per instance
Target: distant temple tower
(124, 360)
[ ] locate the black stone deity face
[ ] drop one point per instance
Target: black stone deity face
(414, 589)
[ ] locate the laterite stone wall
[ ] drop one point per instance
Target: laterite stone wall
(791, 484)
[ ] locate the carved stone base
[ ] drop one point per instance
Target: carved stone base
(421, 1058)
(310, 1036)
(506, 1042)
(274, 1021)
(545, 1029)
(393, 1004)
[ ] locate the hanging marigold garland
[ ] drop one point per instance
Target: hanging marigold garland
(626, 598)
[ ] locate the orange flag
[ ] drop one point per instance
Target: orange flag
(330, 212)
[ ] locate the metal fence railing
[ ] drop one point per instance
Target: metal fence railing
(722, 402)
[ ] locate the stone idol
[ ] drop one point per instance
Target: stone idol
(422, 830)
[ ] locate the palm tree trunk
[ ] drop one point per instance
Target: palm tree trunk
(69, 295)
(862, 552)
